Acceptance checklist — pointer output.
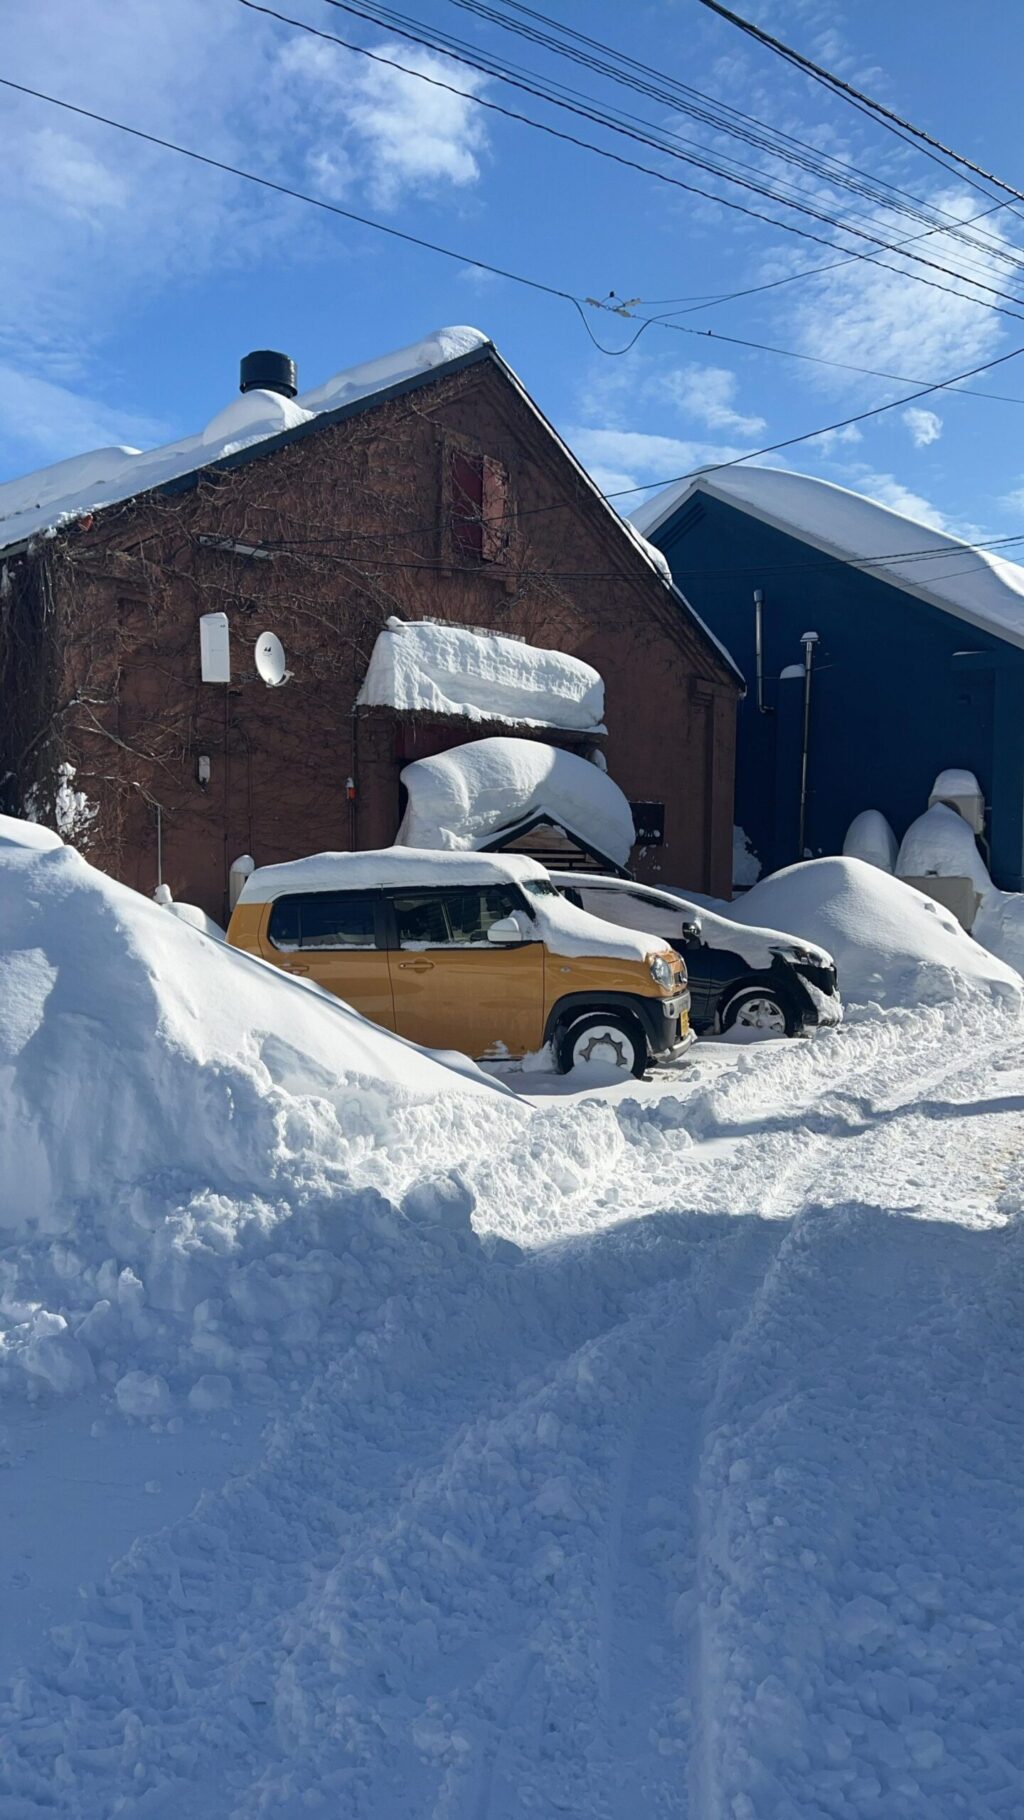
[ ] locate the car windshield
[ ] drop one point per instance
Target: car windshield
(539, 887)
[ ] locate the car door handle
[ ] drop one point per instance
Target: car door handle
(417, 966)
(296, 966)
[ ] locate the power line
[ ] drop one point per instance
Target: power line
(501, 271)
(618, 67)
(533, 284)
(964, 278)
(864, 103)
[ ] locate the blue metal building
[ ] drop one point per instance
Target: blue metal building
(919, 663)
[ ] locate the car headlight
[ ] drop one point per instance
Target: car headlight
(662, 972)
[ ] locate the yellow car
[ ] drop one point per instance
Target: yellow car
(470, 951)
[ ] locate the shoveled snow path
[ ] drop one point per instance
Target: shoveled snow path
(680, 1515)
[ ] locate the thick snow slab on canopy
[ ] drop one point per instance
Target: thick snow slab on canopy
(465, 797)
(892, 946)
(975, 585)
(85, 483)
(130, 1044)
(421, 667)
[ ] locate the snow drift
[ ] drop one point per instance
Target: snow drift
(892, 946)
(465, 797)
(161, 1095)
(425, 668)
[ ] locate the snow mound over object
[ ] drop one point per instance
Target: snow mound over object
(422, 667)
(85, 483)
(465, 797)
(131, 1046)
(892, 946)
(870, 838)
(986, 590)
(941, 843)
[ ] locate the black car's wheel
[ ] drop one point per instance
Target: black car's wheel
(758, 1008)
(611, 1037)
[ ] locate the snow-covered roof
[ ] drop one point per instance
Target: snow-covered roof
(465, 797)
(384, 866)
(85, 483)
(422, 667)
(42, 501)
(974, 585)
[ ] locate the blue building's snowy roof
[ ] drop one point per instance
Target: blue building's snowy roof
(973, 584)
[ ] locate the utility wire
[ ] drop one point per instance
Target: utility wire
(535, 284)
(486, 64)
(864, 103)
(602, 59)
(332, 208)
(763, 190)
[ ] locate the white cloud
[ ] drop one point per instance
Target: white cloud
(833, 439)
(890, 491)
(383, 130)
(707, 393)
(1014, 500)
(93, 223)
(618, 459)
(43, 421)
(924, 426)
(879, 318)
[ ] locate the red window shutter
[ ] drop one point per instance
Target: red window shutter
(497, 524)
(467, 493)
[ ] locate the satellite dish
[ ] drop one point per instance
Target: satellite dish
(270, 663)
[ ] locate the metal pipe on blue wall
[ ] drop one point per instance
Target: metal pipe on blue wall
(758, 652)
(808, 640)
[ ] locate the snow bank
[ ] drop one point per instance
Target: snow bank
(891, 945)
(85, 483)
(983, 589)
(870, 838)
(465, 797)
(168, 1107)
(426, 668)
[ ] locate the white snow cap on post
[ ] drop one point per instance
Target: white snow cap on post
(419, 666)
(870, 838)
(465, 797)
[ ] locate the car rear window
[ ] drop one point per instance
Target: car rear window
(323, 919)
(451, 919)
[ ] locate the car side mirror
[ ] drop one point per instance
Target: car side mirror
(691, 934)
(506, 929)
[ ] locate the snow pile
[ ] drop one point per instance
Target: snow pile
(985, 589)
(177, 1121)
(892, 946)
(464, 798)
(421, 667)
(870, 838)
(85, 483)
(941, 843)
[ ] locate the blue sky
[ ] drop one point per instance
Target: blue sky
(133, 281)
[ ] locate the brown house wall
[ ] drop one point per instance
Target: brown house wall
(359, 521)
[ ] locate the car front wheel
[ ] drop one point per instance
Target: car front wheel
(756, 1008)
(604, 1037)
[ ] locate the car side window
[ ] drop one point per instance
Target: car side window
(323, 919)
(451, 919)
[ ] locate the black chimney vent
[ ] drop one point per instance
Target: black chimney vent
(270, 372)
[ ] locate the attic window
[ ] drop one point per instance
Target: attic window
(480, 505)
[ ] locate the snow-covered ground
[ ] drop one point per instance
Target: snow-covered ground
(646, 1451)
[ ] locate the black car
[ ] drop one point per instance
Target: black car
(759, 979)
